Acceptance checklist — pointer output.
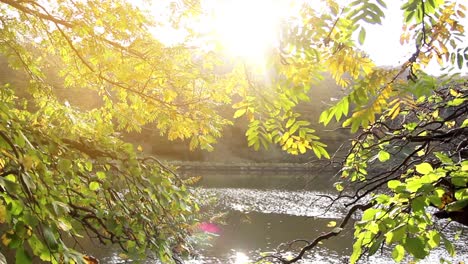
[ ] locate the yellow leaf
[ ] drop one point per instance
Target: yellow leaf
(302, 148)
(123, 256)
(240, 112)
(454, 93)
(395, 111)
(331, 224)
(402, 39)
(90, 260)
(2, 214)
(450, 124)
(6, 240)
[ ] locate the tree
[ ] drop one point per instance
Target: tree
(398, 168)
(66, 172)
(410, 150)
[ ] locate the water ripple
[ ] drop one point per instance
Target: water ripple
(298, 203)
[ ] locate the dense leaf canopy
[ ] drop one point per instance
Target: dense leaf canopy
(66, 172)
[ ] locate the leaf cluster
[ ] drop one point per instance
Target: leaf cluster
(64, 175)
(425, 149)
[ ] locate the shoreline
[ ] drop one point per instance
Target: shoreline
(213, 166)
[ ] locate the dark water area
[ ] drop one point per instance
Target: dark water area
(262, 210)
(315, 180)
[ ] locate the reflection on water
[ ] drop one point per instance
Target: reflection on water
(270, 209)
(297, 203)
(255, 233)
(241, 258)
(265, 210)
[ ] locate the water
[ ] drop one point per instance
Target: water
(261, 211)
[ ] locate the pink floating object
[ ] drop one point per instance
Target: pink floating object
(209, 227)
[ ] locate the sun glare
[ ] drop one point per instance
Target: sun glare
(245, 28)
(241, 258)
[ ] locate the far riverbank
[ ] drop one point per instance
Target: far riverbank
(270, 167)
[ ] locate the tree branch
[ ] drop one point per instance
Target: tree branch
(335, 232)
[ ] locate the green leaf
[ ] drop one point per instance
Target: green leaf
(101, 175)
(369, 214)
(431, 2)
(457, 205)
(362, 36)
(89, 166)
(456, 102)
(464, 165)
(290, 122)
(339, 187)
(50, 238)
(357, 250)
(355, 126)
(465, 123)
(382, 3)
(294, 128)
(393, 184)
(28, 181)
(398, 253)
(384, 156)
(64, 225)
(418, 204)
(324, 117)
(64, 165)
(93, 186)
(409, 16)
(461, 194)
(376, 245)
(382, 198)
(22, 257)
(415, 246)
(460, 61)
(443, 158)
(396, 235)
(424, 168)
(317, 152)
(460, 181)
(434, 239)
(449, 246)
(413, 184)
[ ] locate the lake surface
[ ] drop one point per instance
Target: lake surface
(263, 210)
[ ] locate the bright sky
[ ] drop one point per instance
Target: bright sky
(383, 41)
(247, 28)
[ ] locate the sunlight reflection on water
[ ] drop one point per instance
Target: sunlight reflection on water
(241, 258)
(276, 216)
(298, 203)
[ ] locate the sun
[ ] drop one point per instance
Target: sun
(247, 28)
